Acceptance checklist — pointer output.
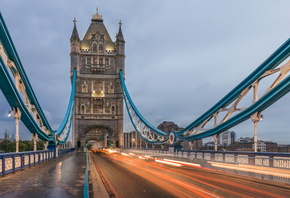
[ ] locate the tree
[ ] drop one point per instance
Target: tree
(7, 146)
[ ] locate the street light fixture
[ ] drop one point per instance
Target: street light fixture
(17, 115)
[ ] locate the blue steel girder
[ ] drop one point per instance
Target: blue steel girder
(18, 92)
(65, 127)
(197, 129)
(13, 56)
(12, 96)
(146, 131)
(273, 61)
(264, 102)
(270, 67)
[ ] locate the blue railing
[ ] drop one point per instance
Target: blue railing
(265, 159)
(86, 180)
(11, 162)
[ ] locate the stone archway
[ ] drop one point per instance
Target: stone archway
(97, 136)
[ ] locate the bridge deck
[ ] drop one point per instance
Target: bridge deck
(61, 177)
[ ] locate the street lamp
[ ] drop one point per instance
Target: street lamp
(9, 113)
(17, 115)
(133, 140)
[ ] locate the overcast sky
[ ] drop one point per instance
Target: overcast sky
(181, 56)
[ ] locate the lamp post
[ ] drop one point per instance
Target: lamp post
(17, 115)
(216, 139)
(133, 141)
(34, 137)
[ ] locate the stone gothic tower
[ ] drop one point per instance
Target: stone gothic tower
(98, 118)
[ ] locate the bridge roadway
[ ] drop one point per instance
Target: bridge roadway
(127, 176)
(131, 175)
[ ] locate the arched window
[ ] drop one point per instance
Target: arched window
(101, 47)
(82, 109)
(95, 47)
(113, 109)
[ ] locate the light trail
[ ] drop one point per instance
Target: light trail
(236, 167)
(183, 163)
(235, 187)
(169, 163)
(189, 187)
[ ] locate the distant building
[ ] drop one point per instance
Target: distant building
(6, 135)
(247, 144)
(194, 145)
(168, 126)
(246, 139)
(227, 138)
(133, 140)
(283, 148)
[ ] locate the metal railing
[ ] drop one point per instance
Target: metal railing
(265, 159)
(11, 162)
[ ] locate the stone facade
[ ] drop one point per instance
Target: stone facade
(98, 109)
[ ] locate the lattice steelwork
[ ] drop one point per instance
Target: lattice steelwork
(17, 89)
(230, 110)
(148, 132)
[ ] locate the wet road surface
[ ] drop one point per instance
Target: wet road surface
(61, 177)
(134, 177)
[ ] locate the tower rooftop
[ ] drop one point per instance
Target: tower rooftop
(97, 16)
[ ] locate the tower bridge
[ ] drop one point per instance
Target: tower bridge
(98, 112)
(95, 110)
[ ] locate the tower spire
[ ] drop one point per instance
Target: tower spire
(119, 35)
(75, 35)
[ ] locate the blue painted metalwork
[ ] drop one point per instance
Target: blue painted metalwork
(9, 89)
(67, 121)
(271, 97)
(129, 103)
(276, 58)
(10, 92)
(86, 180)
(274, 94)
(13, 55)
(11, 162)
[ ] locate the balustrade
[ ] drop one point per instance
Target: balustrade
(10, 162)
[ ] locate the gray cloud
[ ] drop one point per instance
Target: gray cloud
(181, 58)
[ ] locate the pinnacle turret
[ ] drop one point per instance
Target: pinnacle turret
(119, 36)
(75, 35)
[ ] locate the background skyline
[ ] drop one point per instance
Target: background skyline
(181, 58)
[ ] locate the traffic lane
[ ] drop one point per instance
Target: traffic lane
(126, 183)
(61, 177)
(126, 176)
(197, 180)
(229, 184)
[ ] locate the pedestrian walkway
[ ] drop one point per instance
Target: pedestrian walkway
(61, 177)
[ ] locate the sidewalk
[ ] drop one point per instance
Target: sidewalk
(61, 177)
